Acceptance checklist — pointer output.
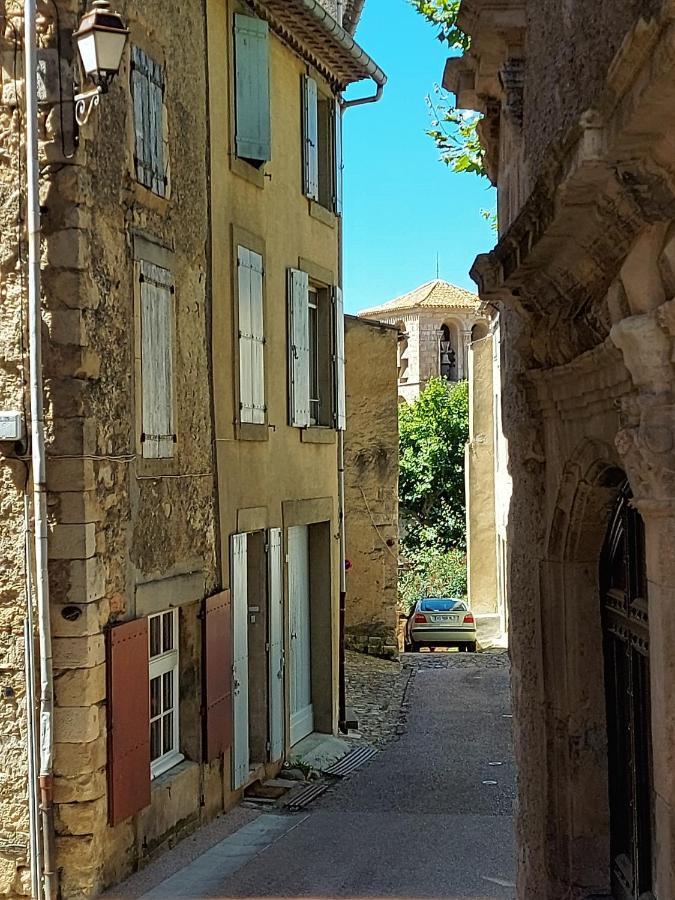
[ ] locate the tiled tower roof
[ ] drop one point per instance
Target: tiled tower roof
(435, 294)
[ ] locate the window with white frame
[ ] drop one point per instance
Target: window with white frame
(151, 155)
(252, 408)
(164, 707)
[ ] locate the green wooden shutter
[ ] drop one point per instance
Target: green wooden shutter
(251, 338)
(252, 89)
(157, 361)
(298, 350)
(310, 135)
(147, 88)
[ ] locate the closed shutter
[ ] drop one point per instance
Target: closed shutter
(252, 89)
(310, 122)
(128, 720)
(339, 161)
(157, 314)
(217, 656)
(147, 88)
(251, 337)
(339, 369)
(298, 362)
(240, 757)
(276, 664)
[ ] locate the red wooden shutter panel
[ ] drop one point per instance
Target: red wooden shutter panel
(128, 720)
(217, 675)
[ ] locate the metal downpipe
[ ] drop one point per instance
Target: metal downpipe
(46, 736)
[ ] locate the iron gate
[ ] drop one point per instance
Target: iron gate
(625, 617)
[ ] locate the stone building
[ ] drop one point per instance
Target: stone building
(435, 322)
(181, 467)
(578, 103)
(371, 487)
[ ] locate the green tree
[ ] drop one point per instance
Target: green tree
(433, 573)
(433, 432)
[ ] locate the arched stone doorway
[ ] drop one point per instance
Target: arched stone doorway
(625, 621)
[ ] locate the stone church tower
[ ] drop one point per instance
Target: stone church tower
(436, 324)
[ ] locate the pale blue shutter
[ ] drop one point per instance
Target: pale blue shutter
(277, 716)
(240, 754)
(339, 369)
(252, 89)
(156, 314)
(298, 351)
(339, 160)
(147, 88)
(310, 129)
(251, 337)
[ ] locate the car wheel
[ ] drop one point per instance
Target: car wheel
(471, 648)
(416, 648)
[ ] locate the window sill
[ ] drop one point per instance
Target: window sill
(321, 214)
(318, 435)
(248, 172)
(148, 198)
(165, 765)
(247, 431)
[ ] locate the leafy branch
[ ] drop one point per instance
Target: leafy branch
(443, 15)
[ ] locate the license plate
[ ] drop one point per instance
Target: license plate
(445, 618)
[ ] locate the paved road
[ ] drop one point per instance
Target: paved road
(423, 819)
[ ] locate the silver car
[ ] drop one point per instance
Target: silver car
(440, 622)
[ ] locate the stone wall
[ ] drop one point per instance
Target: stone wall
(117, 521)
(371, 487)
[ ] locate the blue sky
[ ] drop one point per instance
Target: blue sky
(402, 205)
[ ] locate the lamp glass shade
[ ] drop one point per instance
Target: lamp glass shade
(101, 50)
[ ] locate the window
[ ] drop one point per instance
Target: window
(252, 90)
(322, 142)
(402, 352)
(150, 127)
(316, 353)
(448, 357)
(156, 360)
(164, 713)
(251, 337)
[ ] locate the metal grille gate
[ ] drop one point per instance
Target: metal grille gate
(625, 617)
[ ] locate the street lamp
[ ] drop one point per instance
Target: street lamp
(101, 39)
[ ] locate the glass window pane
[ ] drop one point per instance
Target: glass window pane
(168, 691)
(167, 723)
(155, 636)
(168, 631)
(155, 698)
(156, 739)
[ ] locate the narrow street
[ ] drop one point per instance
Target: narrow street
(429, 816)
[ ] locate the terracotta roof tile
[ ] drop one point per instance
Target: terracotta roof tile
(435, 294)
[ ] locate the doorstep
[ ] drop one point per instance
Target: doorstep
(319, 751)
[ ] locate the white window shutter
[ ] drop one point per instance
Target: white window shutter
(251, 338)
(310, 120)
(339, 371)
(157, 315)
(338, 180)
(147, 88)
(298, 362)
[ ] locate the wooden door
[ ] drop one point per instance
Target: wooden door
(277, 716)
(300, 648)
(240, 755)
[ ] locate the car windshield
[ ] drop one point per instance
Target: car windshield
(435, 604)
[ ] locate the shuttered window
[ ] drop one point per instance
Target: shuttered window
(298, 351)
(339, 367)
(151, 152)
(339, 160)
(128, 718)
(163, 672)
(217, 657)
(251, 337)
(252, 90)
(157, 375)
(310, 137)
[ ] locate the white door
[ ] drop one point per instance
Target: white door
(300, 647)
(240, 755)
(276, 641)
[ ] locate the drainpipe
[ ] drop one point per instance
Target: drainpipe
(29, 657)
(46, 738)
(342, 717)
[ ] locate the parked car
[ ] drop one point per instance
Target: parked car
(441, 622)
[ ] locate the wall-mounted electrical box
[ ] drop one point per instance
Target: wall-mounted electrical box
(11, 425)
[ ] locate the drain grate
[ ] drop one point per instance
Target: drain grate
(352, 761)
(306, 796)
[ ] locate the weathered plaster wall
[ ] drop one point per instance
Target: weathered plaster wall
(371, 487)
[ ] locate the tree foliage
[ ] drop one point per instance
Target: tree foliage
(433, 573)
(433, 432)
